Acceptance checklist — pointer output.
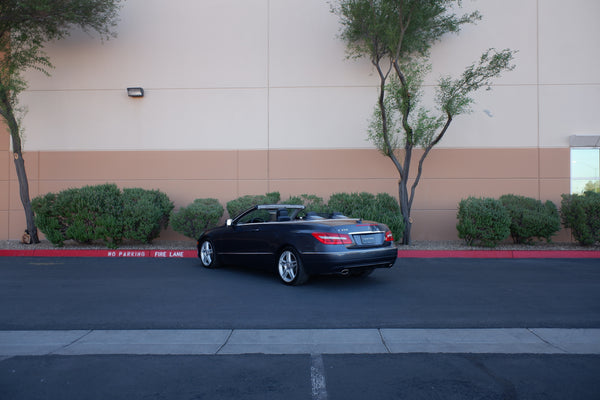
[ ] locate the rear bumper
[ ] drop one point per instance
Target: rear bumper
(336, 262)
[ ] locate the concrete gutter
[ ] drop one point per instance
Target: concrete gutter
(299, 341)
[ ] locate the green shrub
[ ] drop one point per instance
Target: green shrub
(97, 214)
(236, 206)
(197, 217)
(310, 201)
(482, 221)
(387, 211)
(48, 219)
(530, 218)
(85, 214)
(581, 213)
(380, 208)
(102, 212)
(352, 204)
(145, 213)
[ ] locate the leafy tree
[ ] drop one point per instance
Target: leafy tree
(592, 186)
(25, 26)
(396, 36)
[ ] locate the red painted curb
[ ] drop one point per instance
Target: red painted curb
(401, 253)
(100, 253)
(454, 254)
(498, 254)
(556, 254)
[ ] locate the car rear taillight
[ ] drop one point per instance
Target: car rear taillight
(389, 237)
(332, 238)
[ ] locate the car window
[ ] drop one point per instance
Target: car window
(256, 216)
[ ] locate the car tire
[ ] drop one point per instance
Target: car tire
(207, 254)
(290, 268)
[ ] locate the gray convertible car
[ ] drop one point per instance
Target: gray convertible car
(297, 244)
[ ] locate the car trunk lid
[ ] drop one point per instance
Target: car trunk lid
(365, 234)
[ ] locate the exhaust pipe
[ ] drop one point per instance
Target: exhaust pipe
(345, 272)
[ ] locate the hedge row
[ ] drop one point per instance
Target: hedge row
(102, 212)
(106, 213)
(487, 221)
(203, 214)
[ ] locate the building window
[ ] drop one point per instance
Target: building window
(585, 169)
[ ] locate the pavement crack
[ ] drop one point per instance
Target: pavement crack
(72, 343)
(545, 341)
(225, 342)
(383, 340)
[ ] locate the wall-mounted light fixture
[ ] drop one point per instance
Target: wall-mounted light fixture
(135, 92)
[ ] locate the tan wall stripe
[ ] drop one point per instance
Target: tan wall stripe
(449, 175)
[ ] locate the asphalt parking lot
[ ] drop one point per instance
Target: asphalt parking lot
(143, 311)
(100, 293)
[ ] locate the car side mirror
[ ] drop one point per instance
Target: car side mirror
(229, 222)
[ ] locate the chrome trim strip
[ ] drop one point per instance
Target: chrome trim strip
(350, 251)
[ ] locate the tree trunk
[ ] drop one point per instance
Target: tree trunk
(7, 112)
(24, 193)
(405, 209)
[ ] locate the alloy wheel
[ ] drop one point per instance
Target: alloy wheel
(288, 266)
(207, 254)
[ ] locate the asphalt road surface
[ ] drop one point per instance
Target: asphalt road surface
(101, 293)
(290, 377)
(97, 293)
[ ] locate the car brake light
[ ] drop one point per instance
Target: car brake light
(332, 238)
(389, 237)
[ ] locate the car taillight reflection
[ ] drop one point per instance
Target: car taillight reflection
(332, 238)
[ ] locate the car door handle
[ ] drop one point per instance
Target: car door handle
(255, 230)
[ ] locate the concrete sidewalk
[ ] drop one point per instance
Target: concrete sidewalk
(300, 341)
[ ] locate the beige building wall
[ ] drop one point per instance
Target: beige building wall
(248, 96)
(450, 175)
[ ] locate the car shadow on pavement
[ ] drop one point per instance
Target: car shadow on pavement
(325, 281)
